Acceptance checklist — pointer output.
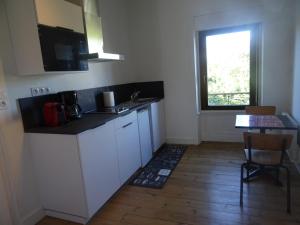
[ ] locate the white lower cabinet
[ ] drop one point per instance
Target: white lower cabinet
(98, 153)
(77, 174)
(158, 124)
(145, 136)
(58, 171)
(129, 155)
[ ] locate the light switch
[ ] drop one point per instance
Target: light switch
(3, 100)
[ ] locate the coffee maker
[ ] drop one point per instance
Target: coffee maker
(70, 101)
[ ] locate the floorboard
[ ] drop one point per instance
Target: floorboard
(203, 189)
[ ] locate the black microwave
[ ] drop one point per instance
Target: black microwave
(62, 49)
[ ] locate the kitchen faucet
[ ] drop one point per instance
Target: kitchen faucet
(134, 96)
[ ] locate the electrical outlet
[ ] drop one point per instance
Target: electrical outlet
(35, 91)
(38, 91)
(42, 91)
(48, 90)
(3, 101)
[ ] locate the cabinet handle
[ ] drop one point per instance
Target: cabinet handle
(143, 109)
(128, 124)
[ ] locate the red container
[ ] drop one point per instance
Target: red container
(54, 114)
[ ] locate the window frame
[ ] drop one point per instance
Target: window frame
(254, 60)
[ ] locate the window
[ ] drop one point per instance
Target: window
(228, 67)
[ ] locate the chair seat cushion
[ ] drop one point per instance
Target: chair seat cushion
(265, 157)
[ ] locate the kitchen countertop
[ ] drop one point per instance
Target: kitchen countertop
(87, 122)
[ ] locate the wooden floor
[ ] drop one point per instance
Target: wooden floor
(203, 189)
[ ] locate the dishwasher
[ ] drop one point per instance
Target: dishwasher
(145, 135)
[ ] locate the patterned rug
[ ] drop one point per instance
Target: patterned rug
(156, 173)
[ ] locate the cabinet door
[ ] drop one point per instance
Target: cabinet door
(128, 150)
(99, 164)
(60, 13)
(58, 169)
(158, 124)
(162, 122)
(145, 136)
(24, 36)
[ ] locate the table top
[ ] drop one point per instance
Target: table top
(282, 122)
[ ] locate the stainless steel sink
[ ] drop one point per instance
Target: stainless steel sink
(125, 106)
(136, 103)
(142, 100)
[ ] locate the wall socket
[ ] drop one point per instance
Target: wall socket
(3, 101)
(38, 91)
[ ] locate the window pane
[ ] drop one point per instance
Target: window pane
(228, 69)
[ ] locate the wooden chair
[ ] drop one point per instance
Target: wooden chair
(267, 152)
(260, 110)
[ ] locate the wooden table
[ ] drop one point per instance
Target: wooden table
(262, 122)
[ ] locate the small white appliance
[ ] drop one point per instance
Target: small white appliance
(145, 136)
(109, 99)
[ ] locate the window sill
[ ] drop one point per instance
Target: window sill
(238, 111)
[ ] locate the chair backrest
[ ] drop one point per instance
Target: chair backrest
(275, 142)
(260, 110)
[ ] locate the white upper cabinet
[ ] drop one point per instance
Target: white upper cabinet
(31, 56)
(24, 36)
(60, 13)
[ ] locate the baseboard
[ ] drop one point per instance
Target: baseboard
(223, 137)
(184, 141)
(231, 137)
(34, 217)
(67, 217)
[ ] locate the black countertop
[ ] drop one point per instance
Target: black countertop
(87, 122)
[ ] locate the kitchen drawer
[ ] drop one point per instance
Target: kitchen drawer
(126, 120)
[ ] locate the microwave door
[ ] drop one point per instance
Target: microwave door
(61, 49)
(65, 56)
(68, 50)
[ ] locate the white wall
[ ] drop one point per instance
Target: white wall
(276, 61)
(5, 217)
(164, 32)
(17, 155)
(157, 40)
(296, 79)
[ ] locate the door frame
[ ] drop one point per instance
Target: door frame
(6, 208)
(13, 214)
(12, 211)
